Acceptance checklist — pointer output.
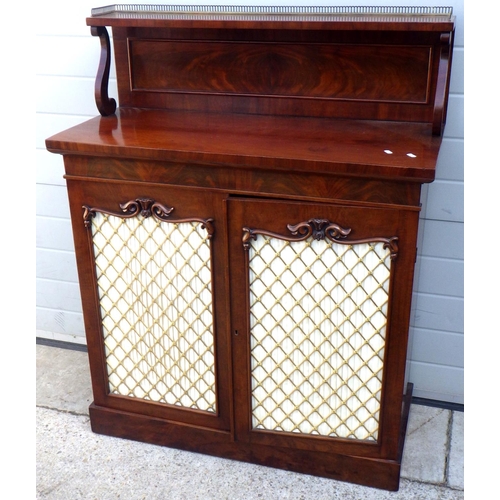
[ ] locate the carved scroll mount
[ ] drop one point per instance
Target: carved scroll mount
(320, 229)
(145, 207)
(443, 82)
(105, 104)
(392, 245)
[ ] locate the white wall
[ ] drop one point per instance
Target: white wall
(66, 62)
(436, 351)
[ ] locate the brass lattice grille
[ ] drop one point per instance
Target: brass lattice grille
(318, 318)
(154, 284)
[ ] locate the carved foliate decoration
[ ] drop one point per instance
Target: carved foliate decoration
(145, 207)
(320, 229)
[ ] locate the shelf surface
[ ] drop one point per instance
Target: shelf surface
(359, 148)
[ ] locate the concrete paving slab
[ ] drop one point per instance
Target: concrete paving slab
(63, 379)
(426, 444)
(73, 462)
(456, 458)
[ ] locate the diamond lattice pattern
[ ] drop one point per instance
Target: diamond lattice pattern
(154, 284)
(318, 315)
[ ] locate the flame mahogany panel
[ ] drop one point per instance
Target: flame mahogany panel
(329, 71)
(367, 75)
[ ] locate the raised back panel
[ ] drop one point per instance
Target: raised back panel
(329, 71)
(373, 75)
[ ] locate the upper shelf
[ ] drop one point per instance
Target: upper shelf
(272, 17)
(364, 63)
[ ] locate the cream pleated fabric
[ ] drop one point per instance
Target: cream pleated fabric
(318, 322)
(154, 285)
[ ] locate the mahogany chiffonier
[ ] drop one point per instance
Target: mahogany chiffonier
(245, 224)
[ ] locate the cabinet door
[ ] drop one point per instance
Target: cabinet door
(320, 311)
(150, 262)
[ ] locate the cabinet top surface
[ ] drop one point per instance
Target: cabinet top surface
(275, 17)
(375, 149)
